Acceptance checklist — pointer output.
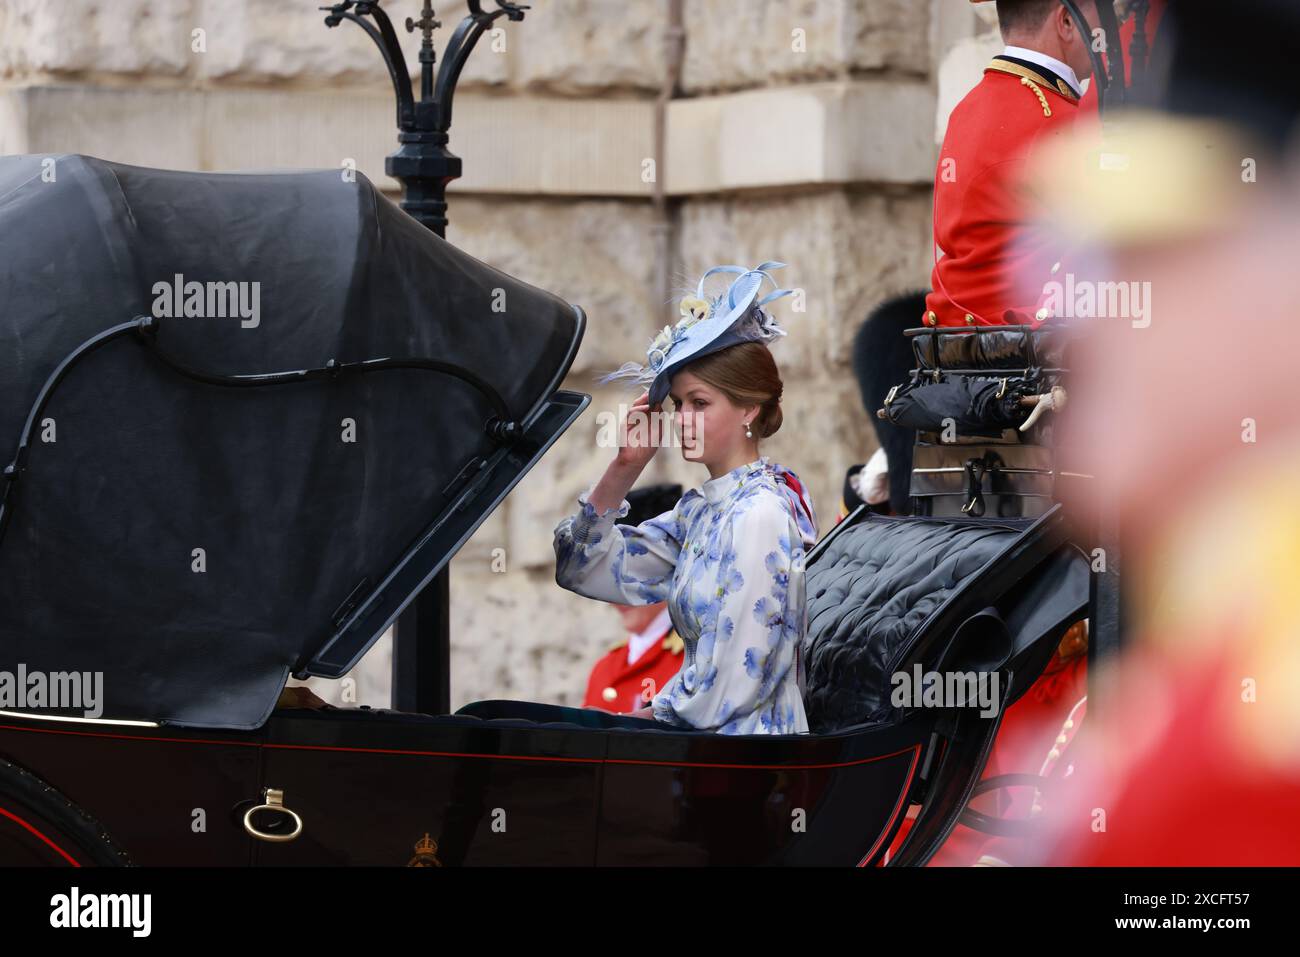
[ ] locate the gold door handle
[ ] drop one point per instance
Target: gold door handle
(274, 802)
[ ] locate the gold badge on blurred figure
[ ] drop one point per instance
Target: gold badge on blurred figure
(426, 853)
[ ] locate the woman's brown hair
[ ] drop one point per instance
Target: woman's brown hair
(746, 374)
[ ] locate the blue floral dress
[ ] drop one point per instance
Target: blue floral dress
(729, 560)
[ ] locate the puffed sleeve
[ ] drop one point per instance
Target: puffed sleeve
(744, 678)
(626, 564)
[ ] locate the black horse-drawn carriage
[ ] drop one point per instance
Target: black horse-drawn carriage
(250, 417)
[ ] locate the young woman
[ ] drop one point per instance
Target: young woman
(728, 558)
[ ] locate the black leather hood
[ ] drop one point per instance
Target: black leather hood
(183, 516)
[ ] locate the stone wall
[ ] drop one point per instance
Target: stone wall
(802, 130)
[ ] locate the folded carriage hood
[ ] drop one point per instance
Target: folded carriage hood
(187, 529)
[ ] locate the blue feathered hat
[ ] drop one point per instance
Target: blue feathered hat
(706, 326)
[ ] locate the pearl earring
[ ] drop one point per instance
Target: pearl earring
(748, 434)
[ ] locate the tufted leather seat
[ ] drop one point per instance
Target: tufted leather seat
(870, 592)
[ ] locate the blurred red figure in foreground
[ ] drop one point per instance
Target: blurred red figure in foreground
(1191, 750)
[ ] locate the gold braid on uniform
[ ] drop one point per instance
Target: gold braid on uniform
(1015, 69)
(1025, 81)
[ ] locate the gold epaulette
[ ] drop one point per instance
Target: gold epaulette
(1032, 80)
(674, 642)
(1025, 81)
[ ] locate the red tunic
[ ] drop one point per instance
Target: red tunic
(1181, 784)
(995, 262)
(616, 686)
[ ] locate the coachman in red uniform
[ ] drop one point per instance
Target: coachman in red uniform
(990, 265)
(992, 272)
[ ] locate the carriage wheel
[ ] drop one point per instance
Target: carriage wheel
(39, 827)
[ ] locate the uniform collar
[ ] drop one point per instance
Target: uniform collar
(716, 489)
(643, 641)
(1057, 68)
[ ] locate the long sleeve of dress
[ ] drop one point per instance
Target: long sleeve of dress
(626, 564)
(744, 677)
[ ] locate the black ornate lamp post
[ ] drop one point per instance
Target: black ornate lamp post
(422, 163)
(421, 669)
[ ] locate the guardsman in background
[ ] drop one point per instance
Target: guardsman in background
(983, 212)
(634, 670)
(882, 358)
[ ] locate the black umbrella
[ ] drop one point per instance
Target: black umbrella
(969, 405)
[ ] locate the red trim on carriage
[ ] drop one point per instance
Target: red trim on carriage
(22, 822)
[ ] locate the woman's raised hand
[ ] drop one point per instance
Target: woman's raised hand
(638, 440)
(639, 434)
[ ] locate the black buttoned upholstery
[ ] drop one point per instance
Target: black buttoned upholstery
(870, 593)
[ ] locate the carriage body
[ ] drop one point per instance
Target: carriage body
(378, 787)
(375, 787)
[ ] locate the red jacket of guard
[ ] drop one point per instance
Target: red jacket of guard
(622, 688)
(994, 263)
